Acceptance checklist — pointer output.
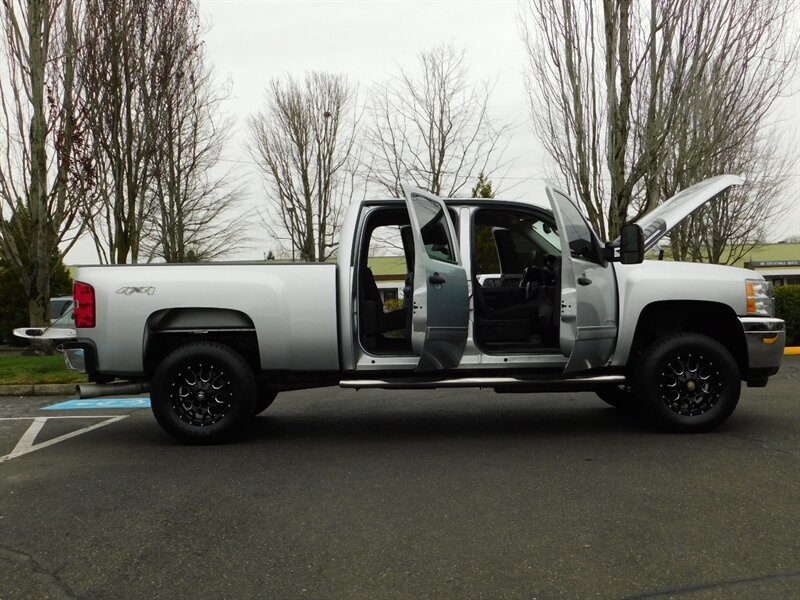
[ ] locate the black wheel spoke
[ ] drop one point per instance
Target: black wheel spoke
(689, 384)
(201, 394)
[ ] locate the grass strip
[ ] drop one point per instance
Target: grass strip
(17, 370)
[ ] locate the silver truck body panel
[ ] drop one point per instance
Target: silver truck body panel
(441, 301)
(346, 304)
(291, 307)
(588, 292)
(660, 281)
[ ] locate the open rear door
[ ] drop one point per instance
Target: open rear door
(441, 303)
(588, 329)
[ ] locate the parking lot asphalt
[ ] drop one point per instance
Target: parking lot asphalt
(436, 494)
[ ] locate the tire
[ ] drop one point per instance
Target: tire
(266, 396)
(202, 393)
(687, 383)
(619, 396)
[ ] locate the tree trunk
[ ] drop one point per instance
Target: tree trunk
(40, 244)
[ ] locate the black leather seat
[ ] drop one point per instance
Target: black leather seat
(372, 319)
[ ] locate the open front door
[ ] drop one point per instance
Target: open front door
(588, 328)
(441, 303)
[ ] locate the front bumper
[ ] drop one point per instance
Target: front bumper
(765, 338)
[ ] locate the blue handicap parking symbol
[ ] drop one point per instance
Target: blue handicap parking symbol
(101, 403)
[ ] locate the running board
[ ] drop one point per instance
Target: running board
(503, 385)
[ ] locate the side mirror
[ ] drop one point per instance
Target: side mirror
(631, 245)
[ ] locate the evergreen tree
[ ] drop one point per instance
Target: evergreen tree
(14, 307)
(485, 248)
(483, 189)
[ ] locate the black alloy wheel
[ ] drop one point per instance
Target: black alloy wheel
(690, 383)
(203, 392)
(687, 382)
(200, 394)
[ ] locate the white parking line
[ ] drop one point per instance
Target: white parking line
(26, 443)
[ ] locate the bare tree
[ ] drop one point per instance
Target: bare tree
(157, 135)
(433, 130)
(616, 88)
(727, 229)
(304, 143)
(192, 201)
(118, 71)
(45, 171)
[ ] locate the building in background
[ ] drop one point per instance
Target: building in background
(778, 263)
(389, 273)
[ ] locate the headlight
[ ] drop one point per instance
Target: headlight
(759, 297)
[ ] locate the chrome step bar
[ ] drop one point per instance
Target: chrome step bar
(500, 384)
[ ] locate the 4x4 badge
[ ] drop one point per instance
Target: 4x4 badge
(127, 291)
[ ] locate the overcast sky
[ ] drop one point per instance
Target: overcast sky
(250, 42)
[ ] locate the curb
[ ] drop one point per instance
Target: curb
(41, 389)
(791, 351)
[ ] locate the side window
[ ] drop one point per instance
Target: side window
(579, 235)
(547, 235)
(486, 259)
(438, 237)
(436, 240)
(433, 224)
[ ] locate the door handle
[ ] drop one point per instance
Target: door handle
(436, 279)
(584, 280)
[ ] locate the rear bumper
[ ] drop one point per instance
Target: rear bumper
(81, 356)
(765, 338)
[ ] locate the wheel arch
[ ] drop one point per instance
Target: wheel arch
(170, 328)
(713, 319)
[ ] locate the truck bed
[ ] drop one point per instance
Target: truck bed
(292, 308)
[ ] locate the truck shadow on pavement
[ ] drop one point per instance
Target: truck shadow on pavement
(420, 424)
(290, 420)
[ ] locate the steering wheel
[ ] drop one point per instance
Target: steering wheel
(549, 275)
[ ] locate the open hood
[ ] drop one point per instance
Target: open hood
(659, 221)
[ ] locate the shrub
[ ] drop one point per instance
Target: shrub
(787, 307)
(393, 304)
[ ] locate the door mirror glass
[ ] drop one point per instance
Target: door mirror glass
(631, 246)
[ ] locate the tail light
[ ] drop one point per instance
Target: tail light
(84, 311)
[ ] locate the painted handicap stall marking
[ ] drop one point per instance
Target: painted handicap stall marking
(91, 403)
(27, 443)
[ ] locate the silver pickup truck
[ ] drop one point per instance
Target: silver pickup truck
(215, 343)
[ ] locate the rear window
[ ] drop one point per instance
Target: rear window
(58, 306)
